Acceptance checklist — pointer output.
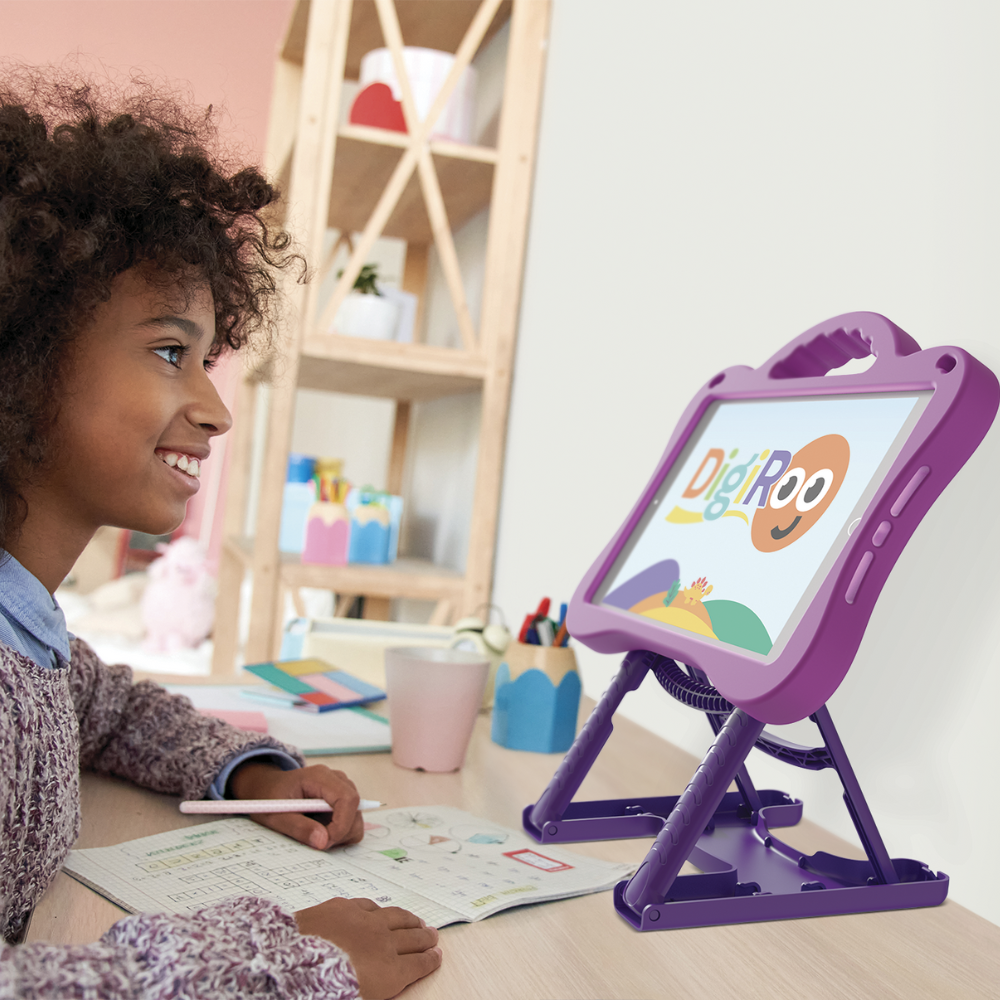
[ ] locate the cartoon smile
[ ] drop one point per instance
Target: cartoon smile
(778, 533)
(807, 488)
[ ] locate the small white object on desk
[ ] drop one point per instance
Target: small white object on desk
(228, 807)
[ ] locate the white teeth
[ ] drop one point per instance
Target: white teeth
(191, 466)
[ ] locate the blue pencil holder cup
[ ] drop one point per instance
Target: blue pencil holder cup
(536, 699)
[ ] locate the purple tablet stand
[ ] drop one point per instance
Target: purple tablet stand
(748, 874)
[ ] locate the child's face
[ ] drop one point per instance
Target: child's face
(136, 399)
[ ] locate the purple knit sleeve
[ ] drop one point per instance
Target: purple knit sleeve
(147, 735)
(240, 947)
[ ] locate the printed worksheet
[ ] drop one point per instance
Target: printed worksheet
(472, 866)
(440, 863)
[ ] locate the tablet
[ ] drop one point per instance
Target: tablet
(785, 495)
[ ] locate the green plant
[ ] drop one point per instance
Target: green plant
(365, 282)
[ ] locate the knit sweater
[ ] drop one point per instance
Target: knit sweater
(91, 715)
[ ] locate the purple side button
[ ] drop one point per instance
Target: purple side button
(859, 574)
(908, 490)
(881, 533)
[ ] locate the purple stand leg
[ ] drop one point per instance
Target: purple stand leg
(855, 801)
(743, 780)
(590, 741)
(694, 809)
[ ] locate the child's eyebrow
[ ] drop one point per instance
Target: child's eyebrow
(192, 329)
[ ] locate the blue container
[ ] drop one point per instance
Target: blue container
(300, 468)
(531, 713)
(299, 496)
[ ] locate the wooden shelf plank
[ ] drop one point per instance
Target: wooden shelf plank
(419, 579)
(413, 578)
(388, 137)
(386, 369)
(362, 170)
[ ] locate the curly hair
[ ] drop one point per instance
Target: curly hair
(95, 182)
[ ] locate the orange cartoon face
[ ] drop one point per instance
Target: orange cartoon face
(800, 498)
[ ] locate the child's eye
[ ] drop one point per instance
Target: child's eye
(173, 354)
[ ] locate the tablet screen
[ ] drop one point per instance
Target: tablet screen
(750, 518)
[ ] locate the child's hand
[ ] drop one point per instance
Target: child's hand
(265, 781)
(388, 947)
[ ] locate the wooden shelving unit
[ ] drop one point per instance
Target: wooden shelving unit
(366, 183)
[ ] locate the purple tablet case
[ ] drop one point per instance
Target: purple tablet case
(747, 873)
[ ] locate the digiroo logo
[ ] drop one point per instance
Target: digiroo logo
(786, 493)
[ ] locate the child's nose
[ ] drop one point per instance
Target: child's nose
(210, 413)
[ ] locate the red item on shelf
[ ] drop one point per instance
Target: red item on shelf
(376, 106)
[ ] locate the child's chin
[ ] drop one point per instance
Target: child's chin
(159, 523)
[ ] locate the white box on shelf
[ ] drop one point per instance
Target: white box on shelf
(427, 69)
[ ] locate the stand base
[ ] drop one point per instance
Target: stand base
(747, 874)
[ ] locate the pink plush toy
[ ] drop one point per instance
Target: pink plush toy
(178, 605)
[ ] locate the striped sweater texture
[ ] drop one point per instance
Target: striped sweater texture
(91, 715)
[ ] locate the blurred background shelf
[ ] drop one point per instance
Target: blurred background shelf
(347, 187)
(419, 579)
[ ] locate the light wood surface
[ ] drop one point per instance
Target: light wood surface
(386, 369)
(366, 159)
(433, 24)
(419, 579)
(580, 948)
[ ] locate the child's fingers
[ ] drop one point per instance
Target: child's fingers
(414, 939)
(422, 964)
(353, 835)
(396, 918)
(297, 826)
(323, 783)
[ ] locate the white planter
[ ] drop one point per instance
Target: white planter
(371, 316)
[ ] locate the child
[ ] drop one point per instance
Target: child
(129, 262)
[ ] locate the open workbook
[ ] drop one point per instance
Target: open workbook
(440, 863)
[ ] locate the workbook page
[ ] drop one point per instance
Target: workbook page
(188, 869)
(470, 865)
(442, 864)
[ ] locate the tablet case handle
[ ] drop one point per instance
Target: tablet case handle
(836, 341)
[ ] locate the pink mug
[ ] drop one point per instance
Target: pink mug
(434, 698)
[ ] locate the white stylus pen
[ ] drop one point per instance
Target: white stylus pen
(235, 806)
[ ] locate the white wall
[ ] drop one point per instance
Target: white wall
(712, 180)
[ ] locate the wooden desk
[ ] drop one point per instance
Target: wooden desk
(580, 948)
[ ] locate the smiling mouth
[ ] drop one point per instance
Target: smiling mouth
(778, 533)
(183, 463)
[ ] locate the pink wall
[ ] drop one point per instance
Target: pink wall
(219, 51)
